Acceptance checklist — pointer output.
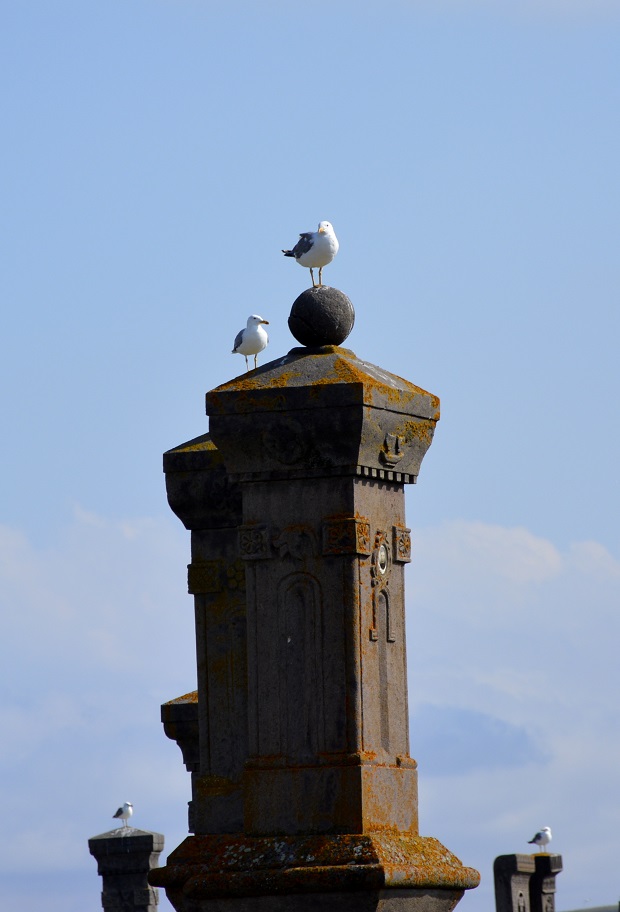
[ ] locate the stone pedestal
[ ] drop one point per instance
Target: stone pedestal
(319, 445)
(124, 858)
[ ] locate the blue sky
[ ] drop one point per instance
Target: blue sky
(157, 156)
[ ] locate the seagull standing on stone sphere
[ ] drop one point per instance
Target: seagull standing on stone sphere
(251, 340)
(315, 249)
(124, 813)
(541, 839)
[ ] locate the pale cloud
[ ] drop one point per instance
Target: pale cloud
(594, 558)
(512, 647)
(97, 633)
(513, 692)
(515, 556)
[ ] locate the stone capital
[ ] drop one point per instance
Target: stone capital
(322, 411)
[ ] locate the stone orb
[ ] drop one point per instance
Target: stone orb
(321, 316)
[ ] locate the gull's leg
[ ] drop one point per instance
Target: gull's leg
(255, 361)
(320, 275)
(247, 367)
(312, 276)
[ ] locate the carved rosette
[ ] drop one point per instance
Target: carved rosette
(401, 544)
(254, 542)
(285, 441)
(349, 535)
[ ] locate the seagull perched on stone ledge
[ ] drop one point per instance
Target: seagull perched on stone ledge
(251, 340)
(124, 813)
(541, 839)
(315, 249)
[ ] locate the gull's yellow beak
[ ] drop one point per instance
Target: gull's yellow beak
(321, 230)
(265, 321)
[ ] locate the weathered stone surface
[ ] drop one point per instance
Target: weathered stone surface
(204, 869)
(512, 879)
(418, 900)
(321, 316)
(198, 487)
(542, 881)
(208, 503)
(322, 412)
(180, 720)
(328, 712)
(124, 858)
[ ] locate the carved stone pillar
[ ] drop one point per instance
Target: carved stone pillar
(124, 858)
(321, 445)
(512, 875)
(542, 882)
(209, 503)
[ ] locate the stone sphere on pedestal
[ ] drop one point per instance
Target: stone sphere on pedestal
(321, 316)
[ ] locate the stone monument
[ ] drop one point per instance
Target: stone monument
(304, 793)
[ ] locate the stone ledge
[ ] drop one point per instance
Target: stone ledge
(210, 867)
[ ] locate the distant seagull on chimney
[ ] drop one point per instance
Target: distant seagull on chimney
(124, 813)
(541, 839)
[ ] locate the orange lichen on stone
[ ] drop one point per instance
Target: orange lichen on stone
(345, 369)
(191, 697)
(210, 866)
(422, 430)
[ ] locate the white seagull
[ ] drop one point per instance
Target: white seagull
(251, 340)
(124, 812)
(315, 249)
(541, 839)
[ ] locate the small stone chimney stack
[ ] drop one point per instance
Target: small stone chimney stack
(124, 858)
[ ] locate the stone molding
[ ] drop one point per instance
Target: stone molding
(208, 867)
